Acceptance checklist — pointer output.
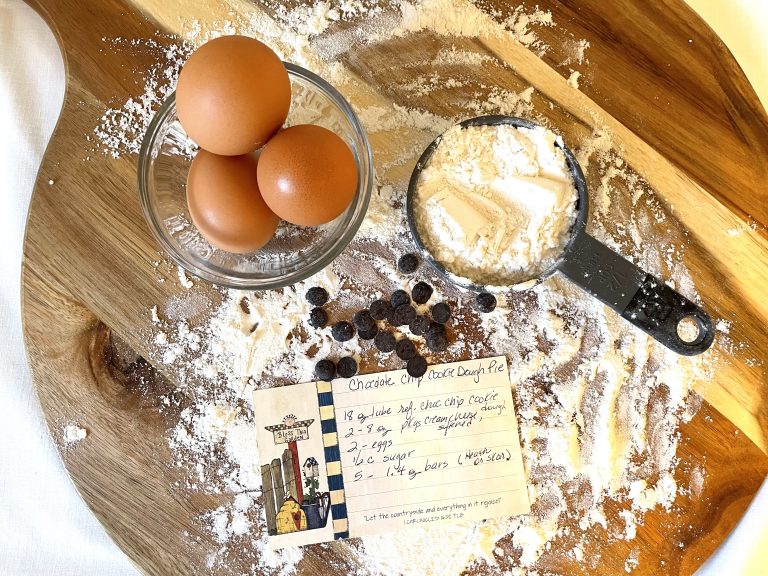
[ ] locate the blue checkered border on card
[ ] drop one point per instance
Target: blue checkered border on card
(333, 460)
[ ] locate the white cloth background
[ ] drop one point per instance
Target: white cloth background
(45, 528)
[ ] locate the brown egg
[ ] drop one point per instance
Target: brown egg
(307, 175)
(225, 203)
(233, 94)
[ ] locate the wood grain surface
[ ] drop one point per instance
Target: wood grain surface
(682, 115)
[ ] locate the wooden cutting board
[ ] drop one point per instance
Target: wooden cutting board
(684, 117)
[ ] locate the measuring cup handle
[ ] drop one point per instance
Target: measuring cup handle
(637, 296)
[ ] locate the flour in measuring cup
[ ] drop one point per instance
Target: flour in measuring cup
(495, 204)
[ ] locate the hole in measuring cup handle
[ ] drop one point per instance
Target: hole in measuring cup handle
(689, 329)
(658, 310)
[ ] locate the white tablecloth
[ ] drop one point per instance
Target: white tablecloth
(45, 528)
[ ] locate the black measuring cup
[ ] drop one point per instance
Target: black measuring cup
(639, 297)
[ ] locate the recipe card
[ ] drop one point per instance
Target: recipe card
(386, 451)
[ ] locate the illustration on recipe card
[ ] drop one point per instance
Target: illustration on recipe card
(293, 471)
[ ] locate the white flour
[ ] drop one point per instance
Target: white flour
(73, 433)
(573, 79)
(184, 279)
(599, 403)
(462, 18)
(495, 204)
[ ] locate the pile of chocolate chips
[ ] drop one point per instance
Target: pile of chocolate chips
(397, 311)
(318, 318)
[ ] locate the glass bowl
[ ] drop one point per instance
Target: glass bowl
(295, 252)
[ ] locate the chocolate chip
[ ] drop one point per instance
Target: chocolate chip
(408, 263)
(380, 309)
(437, 339)
(405, 349)
(485, 302)
(399, 297)
(416, 367)
(347, 367)
(441, 312)
(325, 370)
(384, 341)
(368, 334)
(421, 292)
(364, 321)
(435, 327)
(342, 331)
(317, 296)
(391, 317)
(244, 305)
(403, 315)
(318, 318)
(419, 325)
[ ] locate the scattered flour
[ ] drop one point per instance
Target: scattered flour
(599, 403)
(631, 525)
(633, 561)
(73, 433)
(463, 18)
(573, 79)
(697, 481)
(122, 130)
(577, 50)
(315, 18)
(184, 279)
(233, 522)
(723, 326)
